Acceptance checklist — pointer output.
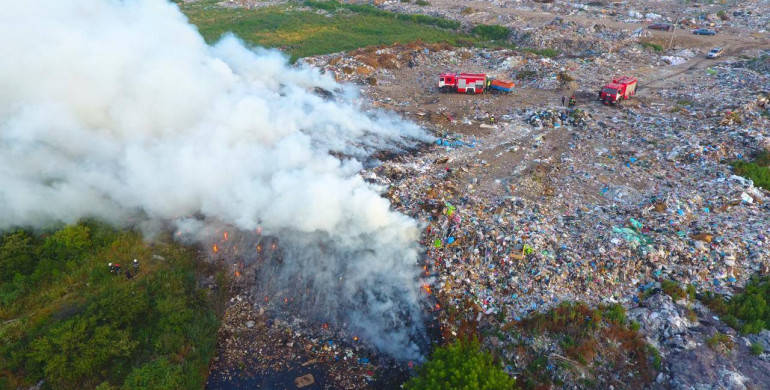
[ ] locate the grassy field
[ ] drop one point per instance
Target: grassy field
(67, 320)
(323, 27)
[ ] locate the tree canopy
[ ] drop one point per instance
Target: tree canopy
(462, 365)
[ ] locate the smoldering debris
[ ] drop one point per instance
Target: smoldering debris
(120, 111)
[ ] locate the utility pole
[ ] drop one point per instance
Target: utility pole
(672, 33)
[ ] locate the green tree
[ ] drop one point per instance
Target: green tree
(16, 256)
(461, 365)
(76, 350)
(68, 244)
(158, 374)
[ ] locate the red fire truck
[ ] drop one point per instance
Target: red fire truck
(619, 89)
(470, 83)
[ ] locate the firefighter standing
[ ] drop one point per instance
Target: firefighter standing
(572, 101)
(135, 266)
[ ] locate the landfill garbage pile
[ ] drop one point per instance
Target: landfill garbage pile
(526, 203)
(679, 330)
(555, 119)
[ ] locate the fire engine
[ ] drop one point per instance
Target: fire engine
(619, 89)
(470, 83)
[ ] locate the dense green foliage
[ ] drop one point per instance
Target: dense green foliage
(492, 32)
(758, 170)
(460, 365)
(749, 311)
(66, 319)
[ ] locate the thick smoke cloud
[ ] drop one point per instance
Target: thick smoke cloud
(119, 110)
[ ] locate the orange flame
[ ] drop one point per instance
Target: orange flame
(225, 235)
(215, 248)
(427, 288)
(237, 274)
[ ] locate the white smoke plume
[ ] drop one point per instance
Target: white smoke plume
(119, 110)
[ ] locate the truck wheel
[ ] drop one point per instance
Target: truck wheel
(470, 91)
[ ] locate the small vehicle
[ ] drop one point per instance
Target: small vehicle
(715, 53)
(704, 31)
(660, 26)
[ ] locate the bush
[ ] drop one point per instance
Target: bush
(616, 314)
(70, 322)
(673, 289)
(719, 341)
(460, 365)
(657, 361)
(526, 75)
(16, 256)
(564, 77)
(691, 293)
(760, 175)
(158, 374)
(763, 158)
(757, 349)
(422, 3)
(652, 45)
(491, 32)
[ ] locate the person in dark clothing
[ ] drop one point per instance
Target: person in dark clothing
(562, 100)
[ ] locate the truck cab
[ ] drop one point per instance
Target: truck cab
(447, 81)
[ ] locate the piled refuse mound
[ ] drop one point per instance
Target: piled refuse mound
(527, 204)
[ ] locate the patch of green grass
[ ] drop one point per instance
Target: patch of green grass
(759, 174)
(66, 319)
(673, 289)
(757, 349)
(422, 3)
(720, 341)
(367, 9)
(749, 311)
(684, 102)
(763, 158)
(491, 32)
(691, 292)
(343, 27)
(657, 361)
(547, 52)
(306, 33)
(652, 45)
